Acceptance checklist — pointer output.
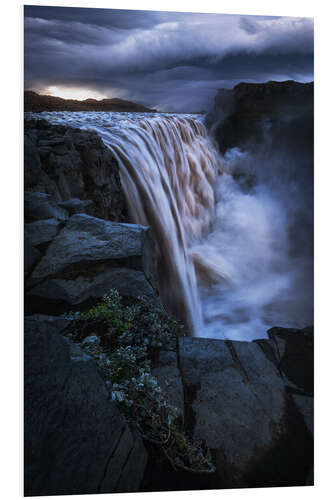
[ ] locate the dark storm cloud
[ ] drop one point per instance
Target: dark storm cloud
(123, 19)
(173, 61)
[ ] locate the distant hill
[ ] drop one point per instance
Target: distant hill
(37, 103)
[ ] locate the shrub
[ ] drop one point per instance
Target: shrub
(124, 340)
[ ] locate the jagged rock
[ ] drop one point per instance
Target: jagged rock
(69, 163)
(33, 172)
(41, 231)
(39, 206)
(167, 374)
(76, 441)
(236, 400)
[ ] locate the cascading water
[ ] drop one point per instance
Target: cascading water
(224, 265)
(168, 170)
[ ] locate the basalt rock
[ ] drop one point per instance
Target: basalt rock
(76, 441)
(238, 401)
(294, 352)
(41, 206)
(72, 164)
(243, 116)
(41, 231)
(81, 260)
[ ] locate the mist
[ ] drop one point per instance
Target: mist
(259, 251)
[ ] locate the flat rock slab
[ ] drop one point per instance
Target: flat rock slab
(87, 239)
(128, 282)
(76, 441)
(236, 401)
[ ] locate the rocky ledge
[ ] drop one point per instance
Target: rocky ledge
(244, 116)
(249, 403)
(78, 242)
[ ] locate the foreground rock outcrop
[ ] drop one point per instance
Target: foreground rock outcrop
(244, 409)
(242, 400)
(76, 441)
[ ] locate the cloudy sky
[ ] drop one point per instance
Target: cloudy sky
(166, 60)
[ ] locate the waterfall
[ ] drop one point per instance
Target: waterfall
(232, 258)
(168, 169)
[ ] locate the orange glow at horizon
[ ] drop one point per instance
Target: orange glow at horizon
(73, 93)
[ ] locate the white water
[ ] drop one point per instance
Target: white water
(224, 263)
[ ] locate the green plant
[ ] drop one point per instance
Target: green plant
(123, 341)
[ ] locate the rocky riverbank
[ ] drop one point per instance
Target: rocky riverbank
(247, 405)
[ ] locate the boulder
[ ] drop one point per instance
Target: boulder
(76, 441)
(87, 239)
(85, 259)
